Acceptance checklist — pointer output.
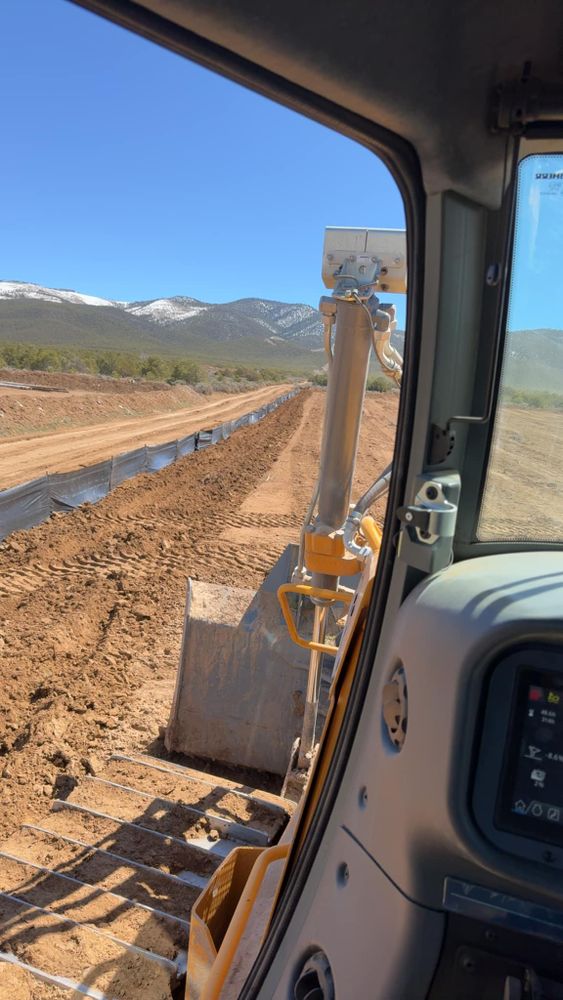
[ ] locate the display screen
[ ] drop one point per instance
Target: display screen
(531, 793)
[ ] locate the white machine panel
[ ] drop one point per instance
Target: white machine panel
(359, 250)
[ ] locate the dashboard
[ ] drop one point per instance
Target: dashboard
(465, 816)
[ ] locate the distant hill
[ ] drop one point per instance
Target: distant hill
(534, 360)
(258, 331)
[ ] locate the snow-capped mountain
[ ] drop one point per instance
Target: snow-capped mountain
(26, 290)
(173, 310)
(290, 322)
(279, 319)
(257, 330)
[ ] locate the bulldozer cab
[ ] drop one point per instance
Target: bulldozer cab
(401, 676)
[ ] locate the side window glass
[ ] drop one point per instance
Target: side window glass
(523, 497)
(165, 370)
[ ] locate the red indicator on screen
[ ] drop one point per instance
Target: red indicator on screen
(535, 694)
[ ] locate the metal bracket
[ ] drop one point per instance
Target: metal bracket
(431, 515)
(428, 524)
(527, 106)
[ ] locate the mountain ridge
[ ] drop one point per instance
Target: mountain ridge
(252, 331)
(260, 331)
(176, 308)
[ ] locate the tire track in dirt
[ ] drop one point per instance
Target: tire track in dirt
(286, 490)
(139, 565)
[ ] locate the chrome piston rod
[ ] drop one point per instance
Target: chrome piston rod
(313, 689)
(344, 402)
(343, 411)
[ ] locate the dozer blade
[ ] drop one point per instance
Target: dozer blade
(240, 690)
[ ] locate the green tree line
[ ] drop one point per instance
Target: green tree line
(534, 399)
(117, 364)
(376, 383)
(121, 364)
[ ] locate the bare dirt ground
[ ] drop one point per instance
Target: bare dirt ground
(87, 399)
(19, 985)
(279, 503)
(91, 603)
(525, 483)
(25, 458)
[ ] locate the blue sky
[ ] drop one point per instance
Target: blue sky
(536, 293)
(129, 173)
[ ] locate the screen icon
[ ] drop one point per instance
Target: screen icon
(537, 776)
(535, 693)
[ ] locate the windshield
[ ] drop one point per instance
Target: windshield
(523, 496)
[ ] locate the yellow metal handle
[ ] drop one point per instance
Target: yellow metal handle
(239, 920)
(308, 591)
(371, 533)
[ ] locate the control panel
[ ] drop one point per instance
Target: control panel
(531, 794)
(518, 793)
(498, 944)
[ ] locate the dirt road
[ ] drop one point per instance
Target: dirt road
(25, 458)
(91, 603)
(271, 516)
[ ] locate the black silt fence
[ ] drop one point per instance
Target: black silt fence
(31, 503)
